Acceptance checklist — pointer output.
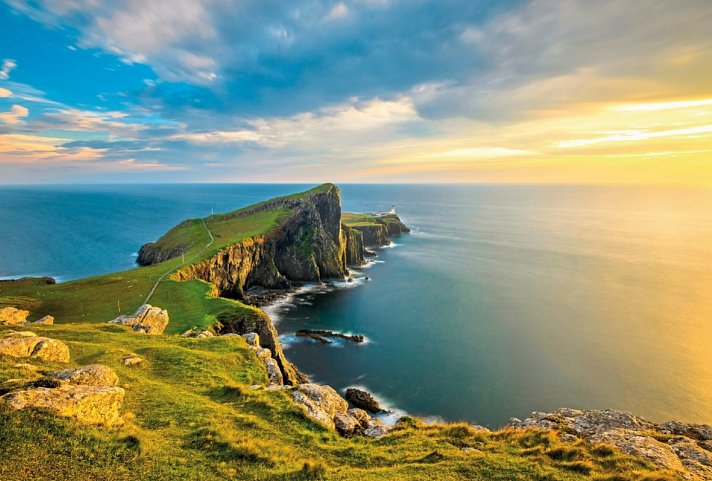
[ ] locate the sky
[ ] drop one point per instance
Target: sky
(520, 91)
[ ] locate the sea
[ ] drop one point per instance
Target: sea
(503, 300)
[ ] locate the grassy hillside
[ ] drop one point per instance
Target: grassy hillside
(191, 415)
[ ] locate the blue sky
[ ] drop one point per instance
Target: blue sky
(355, 91)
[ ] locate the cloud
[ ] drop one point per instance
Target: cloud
(338, 11)
(7, 66)
(4, 93)
(15, 115)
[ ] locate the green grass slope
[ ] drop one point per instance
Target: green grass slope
(191, 415)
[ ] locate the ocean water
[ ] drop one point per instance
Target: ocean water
(503, 300)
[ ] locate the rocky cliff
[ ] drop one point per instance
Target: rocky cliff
(308, 244)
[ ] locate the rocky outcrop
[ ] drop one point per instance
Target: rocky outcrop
(260, 324)
(363, 400)
(684, 448)
(87, 404)
(45, 321)
(321, 403)
(11, 316)
(90, 375)
(28, 344)
(324, 405)
(147, 319)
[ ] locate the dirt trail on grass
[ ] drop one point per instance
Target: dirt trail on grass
(160, 279)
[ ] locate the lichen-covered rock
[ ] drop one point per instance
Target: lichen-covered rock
(321, 403)
(263, 353)
(147, 319)
(273, 371)
(362, 399)
(360, 415)
(33, 346)
(375, 428)
(87, 404)
(701, 432)
(252, 339)
(197, 334)
(636, 444)
(90, 375)
(346, 424)
(12, 316)
(45, 321)
(130, 361)
(686, 453)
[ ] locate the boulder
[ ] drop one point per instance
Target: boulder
(362, 399)
(360, 415)
(32, 346)
(346, 424)
(11, 316)
(321, 403)
(45, 321)
(87, 404)
(375, 428)
(252, 339)
(263, 353)
(147, 319)
(91, 375)
(197, 334)
(273, 371)
(131, 360)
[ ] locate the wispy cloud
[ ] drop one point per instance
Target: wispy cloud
(7, 66)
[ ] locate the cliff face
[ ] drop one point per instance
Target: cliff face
(307, 246)
(354, 246)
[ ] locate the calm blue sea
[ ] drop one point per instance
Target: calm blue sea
(503, 300)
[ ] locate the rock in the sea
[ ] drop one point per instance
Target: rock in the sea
(87, 404)
(252, 339)
(27, 344)
(273, 371)
(147, 319)
(685, 454)
(362, 399)
(45, 321)
(90, 375)
(12, 316)
(321, 403)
